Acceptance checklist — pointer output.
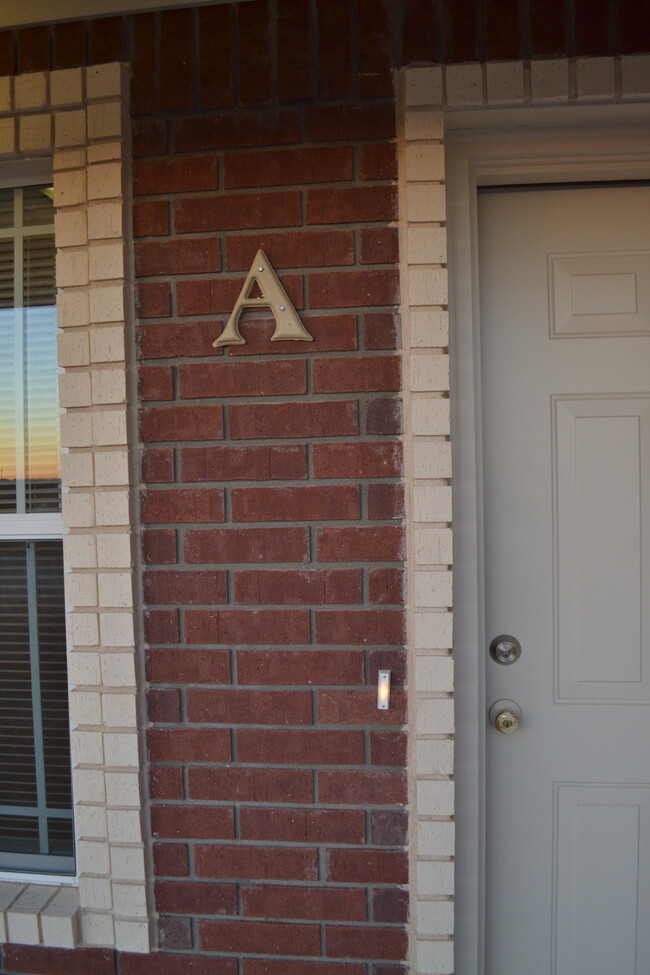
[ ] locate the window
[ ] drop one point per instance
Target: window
(36, 830)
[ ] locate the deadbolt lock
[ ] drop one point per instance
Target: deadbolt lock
(505, 649)
(505, 716)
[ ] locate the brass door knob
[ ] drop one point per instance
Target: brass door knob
(505, 716)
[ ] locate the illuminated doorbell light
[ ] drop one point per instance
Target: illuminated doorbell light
(383, 690)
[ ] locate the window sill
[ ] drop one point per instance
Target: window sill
(39, 914)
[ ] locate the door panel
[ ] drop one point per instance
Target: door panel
(564, 279)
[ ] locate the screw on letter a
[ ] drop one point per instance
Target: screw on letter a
(271, 294)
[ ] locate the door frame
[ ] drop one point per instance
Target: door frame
(538, 146)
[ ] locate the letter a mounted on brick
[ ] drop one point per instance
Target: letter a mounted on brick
(288, 327)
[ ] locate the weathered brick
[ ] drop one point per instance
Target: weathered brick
(188, 744)
(216, 296)
(348, 123)
(378, 161)
(182, 506)
(301, 746)
(360, 626)
(199, 255)
(357, 460)
(161, 626)
(352, 204)
(386, 585)
(164, 964)
(306, 666)
(155, 383)
(317, 903)
(297, 419)
(239, 463)
(29, 959)
(371, 543)
(385, 501)
(162, 340)
(378, 245)
(193, 822)
(157, 465)
(283, 167)
(238, 211)
(255, 862)
(181, 423)
(233, 706)
(366, 942)
(159, 546)
(242, 379)
(164, 705)
(166, 782)
(171, 860)
(260, 937)
(384, 416)
(308, 503)
(267, 966)
(176, 68)
(174, 933)
(330, 333)
(192, 897)
(342, 289)
(335, 43)
(186, 588)
(359, 707)
(388, 748)
(295, 35)
(149, 137)
(313, 248)
(150, 218)
(188, 666)
(368, 866)
(252, 545)
(251, 784)
(315, 587)
(356, 374)
(360, 787)
(389, 827)
(375, 60)
(216, 68)
(246, 626)
(297, 825)
(254, 56)
(237, 130)
(153, 299)
(157, 176)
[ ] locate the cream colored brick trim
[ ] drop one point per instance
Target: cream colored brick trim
(79, 117)
(426, 95)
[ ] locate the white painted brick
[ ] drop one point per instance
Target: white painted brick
(70, 227)
(83, 629)
(112, 508)
(435, 716)
(425, 162)
(104, 120)
(118, 670)
(424, 86)
(464, 85)
(424, 124)
(435, 839)
(118, 711)
(432, 588)
(104, 221)
(429, 373)
(72, 267)
(435, 917)
(435, 757)
(132, 935)
(78, 510)
(7, 135)
(80, 589)
(108, 386)
(124, 827)
(635, 75)
(426, 245)
(76, 430)
(74, 389)
(96, 929)
(92, 857)
(436, 797)
(9, 892)
(116, 629)
(104, 152)
(90, 821)
(88, 785)
(130, 899)
(429, 328)
(70, 128)
(428, 286)
(595, 78)
(83, 669)
(96, 892)
(104, 80)
(107, 344)
(111, 467)
(109, 428)
(114, 551)
(115, 589)
(434, 674)
(433, 546)
(30, 90)
(430, 417)
(505, 83)
(60, 919)
(107, 303)
(74, 348)
(34, 132)
(432, 503)
(433, 631)
(104, 181)
(106, 261)
(66, 86)
(6, 94)
(123, 789)
(77, 469)
(73, 309)
(87, 747)
(550, 80)
(431, 460)
(85, 708)
(122, 751)
(69, 159)
(425, 203)
(127, 863)
(70, 188)
(435, 957)
(435, 878)
(79, 551)
(22, 918)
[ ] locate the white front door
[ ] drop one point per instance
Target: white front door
(565, 342)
